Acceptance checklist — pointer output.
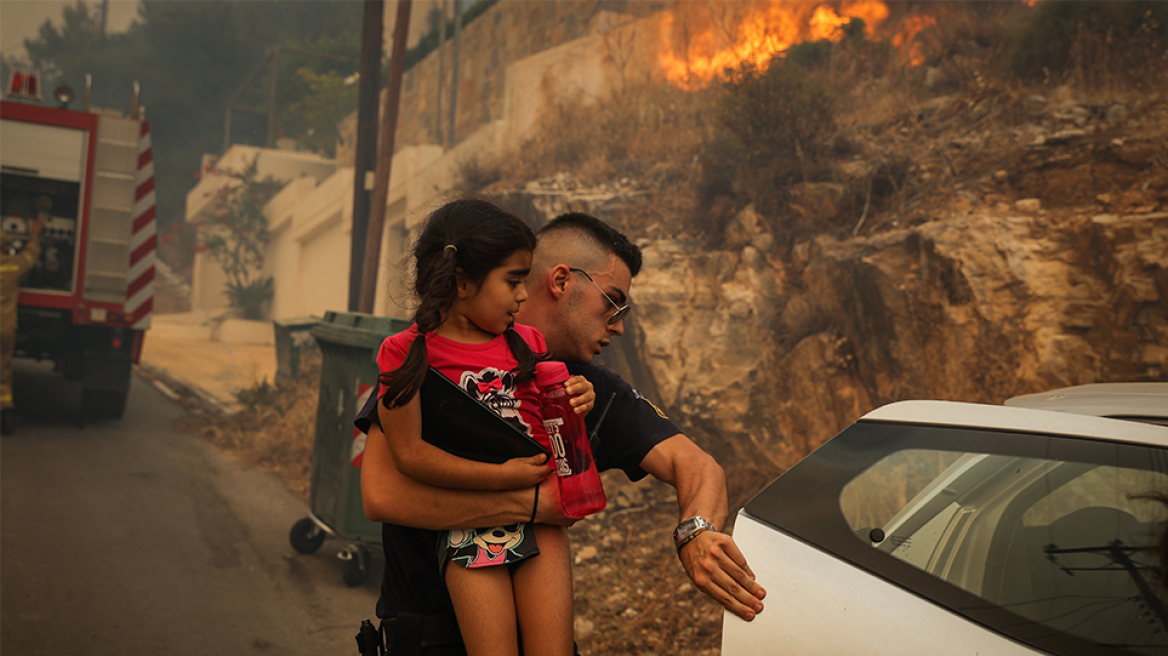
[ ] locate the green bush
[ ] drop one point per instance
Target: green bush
(260, 394)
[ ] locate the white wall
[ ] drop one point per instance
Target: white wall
(324, 271)
(209, 281)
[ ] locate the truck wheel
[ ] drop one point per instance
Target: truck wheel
(104, 404)
(306, 537)
(356, 567)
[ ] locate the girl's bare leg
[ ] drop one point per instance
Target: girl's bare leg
(543, 595)
(484, 603)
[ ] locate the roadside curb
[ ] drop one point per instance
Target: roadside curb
(175, 387)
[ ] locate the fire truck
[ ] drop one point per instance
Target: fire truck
(89, 173)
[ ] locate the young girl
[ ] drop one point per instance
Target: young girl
(471, 262)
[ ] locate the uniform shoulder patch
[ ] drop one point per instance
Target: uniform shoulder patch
(637, 394)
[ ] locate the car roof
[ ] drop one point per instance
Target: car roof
(1020, 419)
(1128, 400)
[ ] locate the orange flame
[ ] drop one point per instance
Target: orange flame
(909, 29)
(768, 30)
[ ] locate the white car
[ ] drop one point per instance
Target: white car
(931, 527)
(1147, 402)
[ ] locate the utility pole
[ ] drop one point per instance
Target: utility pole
(271, 140)
(104, 16)
(397, 68)
(365, 148)
(454, 70)
(441, 69)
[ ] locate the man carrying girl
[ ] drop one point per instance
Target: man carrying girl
(507, 583)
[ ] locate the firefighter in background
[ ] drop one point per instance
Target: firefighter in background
(12, 267)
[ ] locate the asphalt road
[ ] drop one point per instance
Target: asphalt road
(131, 537)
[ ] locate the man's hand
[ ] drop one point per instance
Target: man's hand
(719, 569)
(37, 226)
(550, 510)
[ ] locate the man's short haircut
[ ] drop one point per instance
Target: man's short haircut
(597, 233)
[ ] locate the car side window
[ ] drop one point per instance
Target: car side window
(1073, 546)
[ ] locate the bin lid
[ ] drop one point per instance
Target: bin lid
(356, 329)
(297, 322)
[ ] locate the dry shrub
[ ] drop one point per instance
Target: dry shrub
(964, 43)
(649, 132)
(1101, 46)
(275, 432)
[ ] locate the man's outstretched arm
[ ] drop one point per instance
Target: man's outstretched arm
(711, 559)
(392, 497)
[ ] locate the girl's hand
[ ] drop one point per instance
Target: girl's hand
(583, 396)
(519, 473)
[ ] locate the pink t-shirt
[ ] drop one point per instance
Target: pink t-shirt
(483, 370)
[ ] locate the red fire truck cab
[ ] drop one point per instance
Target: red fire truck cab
(89, 173)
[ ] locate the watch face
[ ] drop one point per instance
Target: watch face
(687, 528)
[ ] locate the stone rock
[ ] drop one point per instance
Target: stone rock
(764, 243)
(1028, 205)
(817, 201)
(1063, 136)
(933, 77)
(587, 553)
(743, 228)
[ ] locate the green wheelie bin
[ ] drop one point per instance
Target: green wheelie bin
(349, 343)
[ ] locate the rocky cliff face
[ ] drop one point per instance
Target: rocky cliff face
(764, 355)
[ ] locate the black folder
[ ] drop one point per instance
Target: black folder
(455, 421)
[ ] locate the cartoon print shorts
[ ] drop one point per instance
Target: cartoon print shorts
(486, 547)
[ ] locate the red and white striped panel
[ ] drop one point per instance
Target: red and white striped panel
(143, 238)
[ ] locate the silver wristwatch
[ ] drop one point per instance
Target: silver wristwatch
(689, 529)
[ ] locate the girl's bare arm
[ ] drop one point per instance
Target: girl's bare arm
(427, 463)
(583, 396)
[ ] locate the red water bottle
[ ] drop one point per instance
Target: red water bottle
(580, 490)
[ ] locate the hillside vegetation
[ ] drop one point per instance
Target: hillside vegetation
(848, 137)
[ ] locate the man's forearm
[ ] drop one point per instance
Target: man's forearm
(392, 497)
(699, 480)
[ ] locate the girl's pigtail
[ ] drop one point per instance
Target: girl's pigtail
(526, 358)
(436, 293)
(404, 382)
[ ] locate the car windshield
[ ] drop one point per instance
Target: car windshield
(1073, 546)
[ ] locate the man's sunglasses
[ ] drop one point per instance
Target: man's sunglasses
(622, 311)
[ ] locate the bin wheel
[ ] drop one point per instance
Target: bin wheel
(356, 567)
(306, 537)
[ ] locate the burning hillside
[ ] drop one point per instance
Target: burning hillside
(707, 40)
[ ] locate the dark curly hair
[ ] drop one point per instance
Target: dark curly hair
(483, 236)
